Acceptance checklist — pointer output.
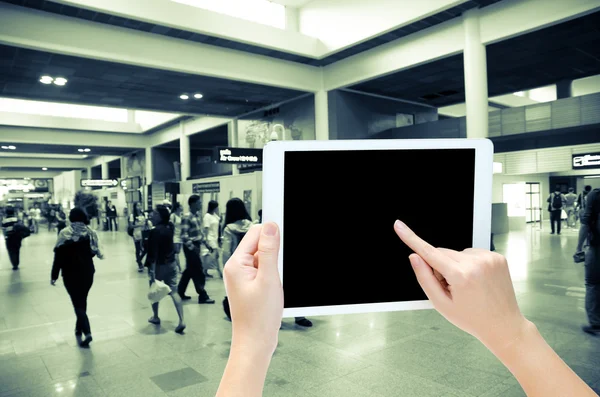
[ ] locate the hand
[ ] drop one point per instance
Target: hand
(53, 282)
(472, 289)
(254, 288)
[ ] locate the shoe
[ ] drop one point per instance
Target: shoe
(140, 269)
(184, 297)
(208, 276)
(304, 322)
(591, 329)
(86, 342)
(180, 328)
(207, 301)
(579, 257)
(551, 232)
(15, 267)
(78, 333)
(154, 320)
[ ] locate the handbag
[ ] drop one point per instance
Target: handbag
(157, 291)
(130, 230)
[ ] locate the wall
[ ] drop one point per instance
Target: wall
(134, 165)
(202, 164)
(357, 116)
(65, 187)
(295, 121)
(230, 186)
(582, 182)
(162, 164)
(500, 179)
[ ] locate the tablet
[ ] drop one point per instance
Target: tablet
(336, 203)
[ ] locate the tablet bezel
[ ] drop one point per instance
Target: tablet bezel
(273, 189)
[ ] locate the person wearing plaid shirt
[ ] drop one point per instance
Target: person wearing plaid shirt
(191, 239)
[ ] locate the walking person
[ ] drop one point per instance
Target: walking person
(191, 239)
(111, 214)
(210, 228)
(14, 232)
(570, 201)
(161, 264)
(139, 224)
(591, 219)
(75, 249)
(61, 218)
(583, 230)
(176, 220)
(556, 202)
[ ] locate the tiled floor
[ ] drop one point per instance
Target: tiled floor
(384, 354)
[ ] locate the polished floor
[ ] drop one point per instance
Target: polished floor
(386, 354)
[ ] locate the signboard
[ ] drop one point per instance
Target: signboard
(99, 183)
(234, 155)
(209, 187)
(586, 161)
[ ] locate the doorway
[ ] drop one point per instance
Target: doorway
(533, 210)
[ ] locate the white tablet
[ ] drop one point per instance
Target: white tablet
(336, 203)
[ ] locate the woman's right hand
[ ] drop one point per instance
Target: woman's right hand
(472, 289)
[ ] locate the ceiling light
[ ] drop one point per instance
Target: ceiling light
(198, 96)
(80, 150)
(184, 96)
(87, 150)
(60, 81)
(11, 147)
(44, 169)
(46, 80)
(5, 147)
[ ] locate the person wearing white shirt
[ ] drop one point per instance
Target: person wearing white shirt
(210, 228)
(176, 221)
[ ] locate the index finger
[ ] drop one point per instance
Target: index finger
(249, 244)
(434, 257)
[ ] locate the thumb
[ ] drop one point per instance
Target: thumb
(429, 282)
(268, 250)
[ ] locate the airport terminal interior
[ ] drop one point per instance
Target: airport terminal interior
(116, 107)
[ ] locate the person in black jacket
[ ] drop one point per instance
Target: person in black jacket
(14, 233)
(161, 262)
(73, 255)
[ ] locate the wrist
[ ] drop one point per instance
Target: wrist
(505, 349)
(257, 349)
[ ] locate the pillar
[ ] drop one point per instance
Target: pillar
(184, 153)
(105, 171)
(148, 165)
(130, 116)
(89, 173)
(476, 88)
(232, 132)
(564, 89)
(322, 116)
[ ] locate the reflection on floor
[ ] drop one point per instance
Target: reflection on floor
(386, 354)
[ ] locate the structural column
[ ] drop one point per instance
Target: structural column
(476, 88)
(89, 173)
(321, 116)
(105, 171)
(148, 165)
(232, 132)
(185, 166)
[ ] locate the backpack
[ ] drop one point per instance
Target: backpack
(556, 202)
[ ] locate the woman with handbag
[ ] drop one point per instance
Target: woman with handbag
(75, 249)
(138, 224)
(161, 262)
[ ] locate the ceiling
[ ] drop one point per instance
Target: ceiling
(205, 140)
(113, 20)
(566, 51)
(96, 82)
(292, 3)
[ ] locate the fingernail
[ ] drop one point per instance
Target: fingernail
(269, 229)
(399, 225)
(414, 260)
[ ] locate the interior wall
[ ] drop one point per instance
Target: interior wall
(582, 182)
(357, 116)
(162, 164)
(499, 180)
(66, 185)
(202, 164)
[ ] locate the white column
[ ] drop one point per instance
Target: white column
(321, 116)
(184, 153)
(148, 165)
(105, 172)
(476, 89)
(232, 132)
(130, 116)
(292, 21)
(89, 173)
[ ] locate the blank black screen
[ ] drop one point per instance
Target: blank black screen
(339, 243)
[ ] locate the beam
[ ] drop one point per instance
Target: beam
(501, 21)
(19, 154)
(67, 123)
(25, 162)
(16, 135)
(10, 174)
(38, 30)
(497, 105)
(191, 127)
(193, 19)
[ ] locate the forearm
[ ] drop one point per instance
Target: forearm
(245, 372)
(529, 356)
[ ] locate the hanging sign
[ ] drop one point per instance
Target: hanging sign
(99, 182)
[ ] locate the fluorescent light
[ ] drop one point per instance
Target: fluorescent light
(60, 81)
(591, 177)
(5, 147)
(198, 96)
(80, 150)
(46, 80)
(11, 147)
(87, 150)
(184, 97)
(44, 169)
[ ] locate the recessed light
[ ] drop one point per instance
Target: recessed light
(44, 169)
(184, 96)
(80, 150)
(5, 147)
(198, 96)
(60, 81)
(46, 80)
(11, 147)
(87, 150)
